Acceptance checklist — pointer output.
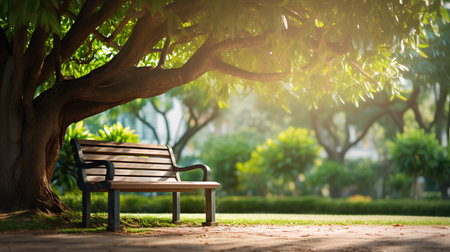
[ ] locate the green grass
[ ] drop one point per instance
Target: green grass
(302, 219)
(70, 222)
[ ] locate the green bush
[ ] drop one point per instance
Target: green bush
(333, 173)
(416, 152)
(134, 203)
(278, 162)
(117, 133)
(221, 153)
(65, 174)
(361, 174)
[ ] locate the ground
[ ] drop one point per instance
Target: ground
(240, 238)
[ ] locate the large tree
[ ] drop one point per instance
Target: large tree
(62, 61)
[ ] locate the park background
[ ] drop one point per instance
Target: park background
(368, 157)
(297, 106)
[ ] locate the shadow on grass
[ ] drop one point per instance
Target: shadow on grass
(70, 222)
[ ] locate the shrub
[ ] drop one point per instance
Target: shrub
(135, 203)
(223, 152)
(65, 174)
(117, 133)
(283, 159)
(415, 152)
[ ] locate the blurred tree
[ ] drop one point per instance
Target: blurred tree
(63, 61)
(415, 152)
(429, 94)
(222, 153)
(334, 125)
(285, 158)
(198, 110)
(431, 75)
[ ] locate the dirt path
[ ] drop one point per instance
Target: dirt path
(240, 238)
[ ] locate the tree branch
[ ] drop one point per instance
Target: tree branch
(414, 105)
(241, 73)
(363, 133)
(331, 131)
(191, 131)
(146, 123)
(162, 58)
(364, 73)
(237, 43)
(86, 22)
(166, 120)
(314, 121)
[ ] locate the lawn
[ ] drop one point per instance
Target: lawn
(299, 219)
(70, 221)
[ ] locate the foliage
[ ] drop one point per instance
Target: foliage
(357, 176)
(398, 185)
(415, 152)
(350, 46)
(222, 153)
(319, 205)
(64, 174)
(117, 133)
(332, 173)
(289, 155)
(365, 175)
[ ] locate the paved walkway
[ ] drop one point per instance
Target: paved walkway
(240, 238)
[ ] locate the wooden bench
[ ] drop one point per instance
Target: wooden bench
(115, 167)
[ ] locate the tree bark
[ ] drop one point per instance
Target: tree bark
(28, 153)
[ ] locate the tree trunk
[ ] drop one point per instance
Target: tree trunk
(444, 189)
(28, 156)
(439, 116)
(29, 145)
(414, 188)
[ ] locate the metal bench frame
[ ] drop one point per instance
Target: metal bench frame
(114, 187)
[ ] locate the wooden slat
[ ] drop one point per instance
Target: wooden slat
(131, 180)
(159, 167)
(92, 157)
(127, 172)
(120, 144)
(125, 151)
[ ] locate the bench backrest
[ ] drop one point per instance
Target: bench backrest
(133, 162)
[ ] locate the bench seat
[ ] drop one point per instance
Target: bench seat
(155, 186)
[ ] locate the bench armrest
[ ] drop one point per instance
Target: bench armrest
(205, 168)
(94, 164)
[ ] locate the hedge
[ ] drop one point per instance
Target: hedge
(134, 203)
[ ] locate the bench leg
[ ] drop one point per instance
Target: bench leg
(86, 207)
(210, 197)
(176, 208)
(113, 210)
